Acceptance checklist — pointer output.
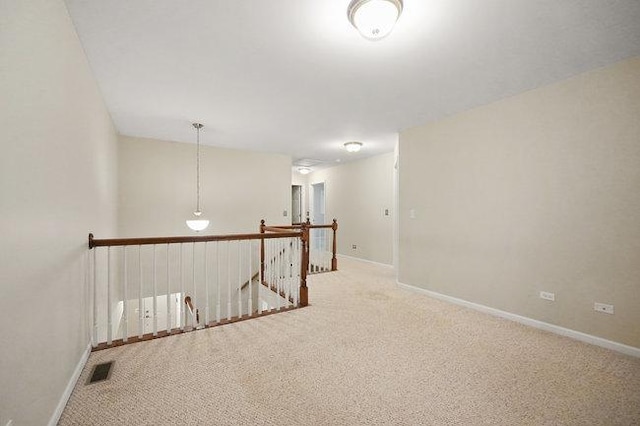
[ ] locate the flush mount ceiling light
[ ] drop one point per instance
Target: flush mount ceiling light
(374, 18)
(304, 170)
(353, 146)
(199, 223)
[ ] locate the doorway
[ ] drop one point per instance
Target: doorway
(317, 203)
(317, 207)
(296, 204)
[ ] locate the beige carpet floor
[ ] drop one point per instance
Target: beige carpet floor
(364, 352)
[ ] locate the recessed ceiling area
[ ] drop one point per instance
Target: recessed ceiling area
(294, 77)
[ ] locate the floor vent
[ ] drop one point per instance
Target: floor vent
(101, 372)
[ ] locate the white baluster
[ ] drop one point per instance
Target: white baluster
(194, 320)
(311, 252)
(270, 260)
(289, 246)
(274, 244)
(182, 295)
(169, 301)
(260, 274)
(206, 286)
(228, 280)
(94, 285)
(218, 268)
(285, 268)
(125, 301)
(327, 250)
(239, 279)
(155, 295)
(297, 262)
(277, 242)
(140, 293)
(109, 295)
(250, 301)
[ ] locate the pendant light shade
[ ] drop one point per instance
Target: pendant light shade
(199, 223)
(374, 18)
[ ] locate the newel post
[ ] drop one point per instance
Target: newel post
(262, 225)
(334, 259)
(304, 266)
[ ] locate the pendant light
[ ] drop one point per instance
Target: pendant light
(197, 224)
(374, 18)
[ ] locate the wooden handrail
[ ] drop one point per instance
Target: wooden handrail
(278, 228)
(189, 303)
(93, 242)
(299, 226)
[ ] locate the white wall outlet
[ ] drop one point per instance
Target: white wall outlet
(547, 296)
(603, 307)
(285, 213)
(386, 212)
(412, 213)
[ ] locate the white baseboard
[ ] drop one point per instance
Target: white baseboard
(69, 389)
(363, 260)
(577, 335)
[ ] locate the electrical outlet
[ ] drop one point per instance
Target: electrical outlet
(547, 296)
(285, 213)
(354, 247)
(386, 213)
(603, 307)
(412, 213)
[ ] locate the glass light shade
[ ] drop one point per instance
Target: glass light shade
(374, 18)
(198, 224)
(353, 146)
(304, 170)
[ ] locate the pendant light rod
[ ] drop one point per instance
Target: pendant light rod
(199, 223)
(198, 126)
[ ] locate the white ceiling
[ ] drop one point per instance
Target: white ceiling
(293, 76)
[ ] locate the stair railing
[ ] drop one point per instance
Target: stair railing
(144, 288)
(322, 243)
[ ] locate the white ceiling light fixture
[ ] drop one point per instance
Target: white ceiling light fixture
(304, 170)
(199, 223)
(353, 146)
(374, 18)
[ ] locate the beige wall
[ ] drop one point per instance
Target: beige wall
(157, 187)
(57, 183)
(536, 192)
(357, 194)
